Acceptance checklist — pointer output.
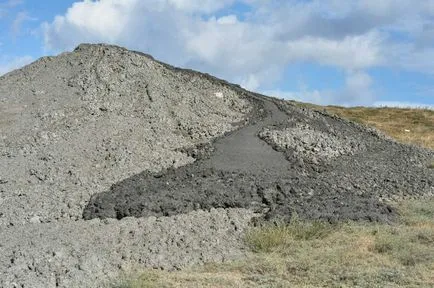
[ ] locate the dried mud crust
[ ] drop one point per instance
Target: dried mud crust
(291, 160)
(95, 253)
(72, 125)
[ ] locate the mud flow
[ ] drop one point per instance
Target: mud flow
(286, 160)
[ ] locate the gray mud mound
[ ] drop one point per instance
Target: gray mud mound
(73, 125)
(92, 253)
(106, 133)
(70, 127)
(316, 165)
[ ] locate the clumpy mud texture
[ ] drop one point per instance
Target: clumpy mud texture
(289, 160)
(93, 253)
(103, 133)
(73, 125)
(70, 127)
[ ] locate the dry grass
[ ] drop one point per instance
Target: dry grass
(266, 239)
(318, 254)
(413, 126)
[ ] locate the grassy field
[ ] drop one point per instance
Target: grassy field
(413, 126)
(317, 254)
(322, 255)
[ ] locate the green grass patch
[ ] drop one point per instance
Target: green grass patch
(278, 236)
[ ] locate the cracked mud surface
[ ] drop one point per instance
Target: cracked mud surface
(103, 133)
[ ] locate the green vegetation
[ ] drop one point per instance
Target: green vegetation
(317, 254)
(266, 239)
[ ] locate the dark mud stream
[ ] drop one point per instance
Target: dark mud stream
(241, 170)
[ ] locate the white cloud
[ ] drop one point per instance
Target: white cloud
(228, 20)
(352, 52)
(312, 96)
(100, 21)
(251, 44)
(251, 82)
(261, 78)
(8, 64)
(239, 46)
(353, 36)
(206, 6)
(357, 91)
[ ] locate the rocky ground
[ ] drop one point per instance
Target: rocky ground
(92, 137)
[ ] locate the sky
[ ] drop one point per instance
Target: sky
(340, 52)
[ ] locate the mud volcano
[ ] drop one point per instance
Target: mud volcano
(284, 160)
(92, 137)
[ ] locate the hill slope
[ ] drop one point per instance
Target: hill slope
(83, 120)
(106, 133)
(412, 126)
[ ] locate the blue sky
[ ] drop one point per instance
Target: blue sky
(360, 52)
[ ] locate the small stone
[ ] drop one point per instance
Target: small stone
(35, 220)
(152, 219)
(218, 95)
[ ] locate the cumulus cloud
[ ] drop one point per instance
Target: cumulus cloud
(206, 6)
(88, 20)
(357, 91)
(352, 52)
(254, 50)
